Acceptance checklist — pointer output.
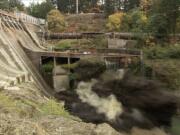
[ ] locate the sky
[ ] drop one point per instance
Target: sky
(27, 2)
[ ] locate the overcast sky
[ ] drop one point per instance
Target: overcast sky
(27, 2)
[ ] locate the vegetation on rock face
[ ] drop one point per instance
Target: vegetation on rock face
(29, 108)
(56, 22)
(98, 42)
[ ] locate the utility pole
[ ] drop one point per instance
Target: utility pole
(77, 6)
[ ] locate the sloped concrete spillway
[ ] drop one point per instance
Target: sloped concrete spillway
(15, 65)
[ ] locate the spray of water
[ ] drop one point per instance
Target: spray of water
(108, 106)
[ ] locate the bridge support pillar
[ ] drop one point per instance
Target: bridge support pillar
(69, 64)
(54, 61)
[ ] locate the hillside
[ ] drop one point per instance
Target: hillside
(89, 22)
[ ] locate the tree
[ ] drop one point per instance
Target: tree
(69, 6)
(109, 7)
(16, 5)
(130, 4)
(115, 21)
(4, 4)
(169, 12)
(56, 22)
(40, 10)
(11, 5)
(158, 26)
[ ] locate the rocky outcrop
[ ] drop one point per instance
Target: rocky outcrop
(53, 125)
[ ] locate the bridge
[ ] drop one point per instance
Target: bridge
(17, 36)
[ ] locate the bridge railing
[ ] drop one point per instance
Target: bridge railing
(29, 19)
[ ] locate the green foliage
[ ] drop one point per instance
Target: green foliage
(65, 44)
(52, 107)
(166, 71)
(56, 22)
(25, 107)
(138, 20)
(131, 4)
(100, 42)
(89, 68)
(162, 63)
(175, 130)
(7, 104)
(40, 10)
(115, 21)
(16, 5)
(109, 7)
(163, 17)
(156, 17)
(158, 26)
(69, 66)
(11, 5)
(69, 6)
(4, 4)
(48, 67)
(178, 25)
(133, 21)
(158, 52)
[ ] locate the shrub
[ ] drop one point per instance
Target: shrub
(52, 107)
(29, 108)
(48, 67)
(114, 21)
(167, 71)
(158, 52)
(89, 68)
(100, 42)
(56, 22)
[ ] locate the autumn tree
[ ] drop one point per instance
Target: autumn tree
(56, 21)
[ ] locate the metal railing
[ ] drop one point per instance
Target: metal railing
(29, 19)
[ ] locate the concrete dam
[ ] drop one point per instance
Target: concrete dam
(16, 67)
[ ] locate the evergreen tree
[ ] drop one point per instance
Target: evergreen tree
(69, 6)
(41, 10)
(169, 9)
(11, 5)
(4, 4)
(109, 7)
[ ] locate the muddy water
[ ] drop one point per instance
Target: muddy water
(136, 103)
